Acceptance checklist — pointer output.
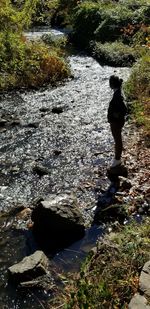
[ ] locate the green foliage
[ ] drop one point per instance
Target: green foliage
(64, 12)
(138, 84)
(13, 19)
(136, 4)
(110, 276)
(137, 89)
(56, 42)
(33, 65)
(87, 17)
(114, 20)
(107, 22)
(22, 63)
(45, 12)
(115, 54)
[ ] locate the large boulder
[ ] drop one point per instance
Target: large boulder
(30, 267)
(57, 222)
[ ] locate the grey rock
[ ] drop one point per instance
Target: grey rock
(57, 152)
(2, 122)
(30, 267)
(57, 110)
(138, 302)
(144, 281)
(33, 125)
(57, 221)
(44, 109)
(41, 170)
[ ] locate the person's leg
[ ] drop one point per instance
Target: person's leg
(116, 129)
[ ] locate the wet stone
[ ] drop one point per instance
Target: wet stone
(57, 110)
(44, 109)
(3, 122)
(33, 125)
(57, 152)
(40, 170)
(15, 122)
(30, 267)
(57, 222)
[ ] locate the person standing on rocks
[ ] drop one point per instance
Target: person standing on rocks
(116, 116)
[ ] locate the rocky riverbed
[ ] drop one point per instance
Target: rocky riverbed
(63, 130)
(54, 140)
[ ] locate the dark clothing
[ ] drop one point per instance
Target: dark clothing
(116, 129)
(117, 108)
(116, 117)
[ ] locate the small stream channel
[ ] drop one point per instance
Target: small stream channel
(75, 146)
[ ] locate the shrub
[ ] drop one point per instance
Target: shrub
(137, 89)
(45, 10)
(115, 54)
(56, 42)
(63, 14)
(23, 63)
(86, 19)
(36, 67)
(138, 84)
(115, 19)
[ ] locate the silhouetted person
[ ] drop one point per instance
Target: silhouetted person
(116, 116)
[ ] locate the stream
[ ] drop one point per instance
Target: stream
(74, 146)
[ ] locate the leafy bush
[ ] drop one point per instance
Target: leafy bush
(115, 54)
(138, 84)
(86, 19)
(114, 20)
(57, 42)
(137, 90)
(45, 10)
(34, 66)
(23, 63)
(63, 14)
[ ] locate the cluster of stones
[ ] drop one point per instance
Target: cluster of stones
(57, 223)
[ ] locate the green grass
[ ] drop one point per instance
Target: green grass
(109, 276)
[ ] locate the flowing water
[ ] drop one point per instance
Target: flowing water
(74, 146)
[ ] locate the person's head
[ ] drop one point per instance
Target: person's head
(115, 82)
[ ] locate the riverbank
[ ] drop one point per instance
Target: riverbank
(109, 277)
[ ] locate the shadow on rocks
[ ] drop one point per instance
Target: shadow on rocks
(108, 209)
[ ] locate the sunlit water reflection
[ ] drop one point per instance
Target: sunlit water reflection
(81, 135)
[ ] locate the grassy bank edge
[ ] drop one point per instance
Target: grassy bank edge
(109, 276)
